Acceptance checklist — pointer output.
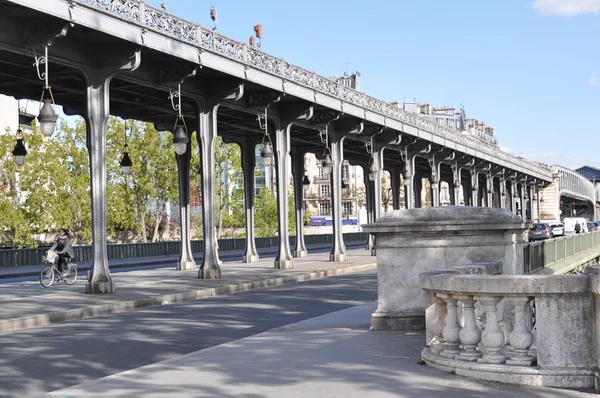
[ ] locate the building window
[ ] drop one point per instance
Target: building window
(323, 174)
(324, 209)
(347, 208)
(324, 190)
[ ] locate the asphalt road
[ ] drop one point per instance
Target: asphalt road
(38, 360)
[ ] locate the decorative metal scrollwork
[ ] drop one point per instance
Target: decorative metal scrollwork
(158, 20)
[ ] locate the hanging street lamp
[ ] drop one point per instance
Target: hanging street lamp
(19, 152)
(266, 153)
(180, 135)
(47, 116)
(126, 162)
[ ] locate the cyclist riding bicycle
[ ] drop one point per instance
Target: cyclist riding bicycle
(64, 248)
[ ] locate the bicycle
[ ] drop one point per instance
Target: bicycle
(50, 271)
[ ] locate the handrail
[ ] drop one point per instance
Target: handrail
(148, 17)
(20, 257)
(552, 252)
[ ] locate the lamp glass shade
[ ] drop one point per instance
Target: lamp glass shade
(126, 164)
(327, 162)
(19, 152)
(180, 140)
(47, 118)
(19, 160)
(267, 154)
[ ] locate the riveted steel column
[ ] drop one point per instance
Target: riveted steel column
(490, 189)
(338, 250)
(207, 136)
(298, 174)
(369, 199)
(456, 183)
(98, 112)
(435, 188)
(395, 184)
(474, 187)
(514, 196)
(186, 258)
(284, 258)
(409, 183)
(502, 192)
(248, 149)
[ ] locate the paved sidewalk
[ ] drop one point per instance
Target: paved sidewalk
(329, 356)
(34, 270)
(27, 304)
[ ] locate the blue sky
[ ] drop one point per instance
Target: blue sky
(528, 68)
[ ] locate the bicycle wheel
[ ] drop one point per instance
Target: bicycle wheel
(72, 277)
(47, 276)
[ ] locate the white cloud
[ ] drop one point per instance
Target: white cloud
(593, 80)
(567, 8)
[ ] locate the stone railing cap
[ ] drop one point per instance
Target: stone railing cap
(508, 284)
(478, 217)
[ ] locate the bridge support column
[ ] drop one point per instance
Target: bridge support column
(207, 136)
(370, 199)
(502, 193)
(474, 187)
(418, 181)
(409, 192)
(298, 175)
(248, 149)
(338, 250)
(456, 183)
(284, 258)
(451, 192)
(490, 189)
(435, 191)
(514, 195)
(282, 150)
(186, 257)
(395, 184)
(523, 202)
(97, 114)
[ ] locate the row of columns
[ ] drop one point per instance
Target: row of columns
(100, 280)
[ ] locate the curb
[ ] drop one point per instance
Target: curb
(85, 268)
(166, 299)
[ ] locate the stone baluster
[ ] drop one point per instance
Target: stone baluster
(438, 325)
(470, 335)
(492, 337)
(452, 328)
(521, 337)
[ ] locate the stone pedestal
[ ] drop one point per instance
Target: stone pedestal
(413, 241)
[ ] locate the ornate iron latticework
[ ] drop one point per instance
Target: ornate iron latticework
(158, 20)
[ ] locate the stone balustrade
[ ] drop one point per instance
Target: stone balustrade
(521, 329)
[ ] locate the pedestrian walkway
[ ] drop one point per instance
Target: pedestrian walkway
(26, 304)
(334, 355)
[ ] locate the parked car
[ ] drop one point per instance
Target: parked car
(557, 229)
(591, 227)
(540, 231)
